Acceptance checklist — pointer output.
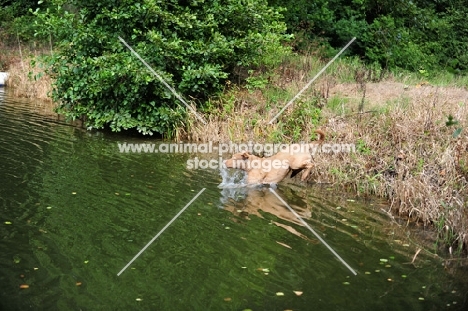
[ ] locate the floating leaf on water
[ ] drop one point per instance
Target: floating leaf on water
(7, 222)
(346, 283)
(138, 299)
(78, 283)
(383, 260)
(367, 272)
(227, 299)
(24, 286)
(283, 244)
(49, 207)
(298, 293)
(279, 294)
(421, 298)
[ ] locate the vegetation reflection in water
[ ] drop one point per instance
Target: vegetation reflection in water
(74, 211)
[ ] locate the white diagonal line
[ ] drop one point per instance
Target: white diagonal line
(162, 81)
(315, 233)
(311, 81)
(160, 232)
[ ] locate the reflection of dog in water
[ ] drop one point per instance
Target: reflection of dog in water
(274, 169)
(245, 202)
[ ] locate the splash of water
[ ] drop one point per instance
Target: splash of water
(233, 185)
(232, 178)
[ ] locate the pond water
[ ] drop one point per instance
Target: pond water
(75, 211)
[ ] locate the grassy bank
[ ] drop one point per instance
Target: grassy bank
(407, 149)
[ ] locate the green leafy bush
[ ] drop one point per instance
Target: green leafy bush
(194, 45)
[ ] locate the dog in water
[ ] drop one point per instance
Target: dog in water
(272, 170)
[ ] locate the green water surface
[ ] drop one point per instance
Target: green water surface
(74, 211)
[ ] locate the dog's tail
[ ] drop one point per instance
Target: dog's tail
(321, 136)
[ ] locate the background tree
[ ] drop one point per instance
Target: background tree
(413, 35)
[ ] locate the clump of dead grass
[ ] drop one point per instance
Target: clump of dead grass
(29, 81)
(408, 155)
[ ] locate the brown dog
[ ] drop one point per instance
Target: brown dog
(274, 169)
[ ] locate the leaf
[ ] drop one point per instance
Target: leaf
(283, 244)
(8, 223)
(298, 293)
(457, 132)
(24, 286)
(279, 294)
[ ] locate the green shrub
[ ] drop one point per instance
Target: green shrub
(193, 45)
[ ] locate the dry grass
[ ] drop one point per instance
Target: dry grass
(30, 82)
(405, 152)
(25, 80)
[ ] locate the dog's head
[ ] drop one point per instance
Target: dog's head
(238, 160)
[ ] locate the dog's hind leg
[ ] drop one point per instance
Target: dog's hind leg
(306, 172)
